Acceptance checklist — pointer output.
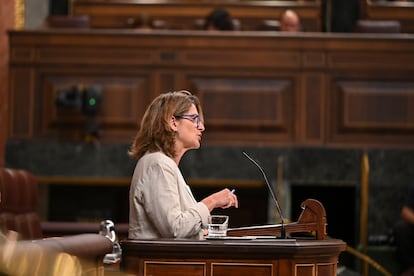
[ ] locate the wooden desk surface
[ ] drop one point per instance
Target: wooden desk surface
(261, 247)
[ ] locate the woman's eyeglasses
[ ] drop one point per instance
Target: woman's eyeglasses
(195, 118)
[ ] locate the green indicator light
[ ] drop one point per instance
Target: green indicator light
(92, 101)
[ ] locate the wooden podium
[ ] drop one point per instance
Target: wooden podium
(246, 251)
(233, 256)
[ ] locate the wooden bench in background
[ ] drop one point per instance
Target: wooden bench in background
(185, 14)
(395, 11)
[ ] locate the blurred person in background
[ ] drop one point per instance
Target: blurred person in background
(219, 20)
(290, 22)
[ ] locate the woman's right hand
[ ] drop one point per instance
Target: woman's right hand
(222, 199)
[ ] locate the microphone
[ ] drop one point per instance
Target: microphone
(283, 230)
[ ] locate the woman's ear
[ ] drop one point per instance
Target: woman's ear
(173, 124)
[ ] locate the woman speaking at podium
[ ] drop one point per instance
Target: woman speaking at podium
(161, 203)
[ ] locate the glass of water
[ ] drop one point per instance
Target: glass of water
(217, 225)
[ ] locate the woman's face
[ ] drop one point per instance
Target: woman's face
(189, 130)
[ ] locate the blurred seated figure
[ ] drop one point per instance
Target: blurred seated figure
(404, 235)
(144, 22)
(290, 22)
(219, 20)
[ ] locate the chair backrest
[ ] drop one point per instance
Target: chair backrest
(269, 25)
(378, 26)
(18, 203)
(68, 21)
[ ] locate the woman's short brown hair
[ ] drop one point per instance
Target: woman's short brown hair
(155, 133)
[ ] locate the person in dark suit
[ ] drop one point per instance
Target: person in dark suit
(219, 20)
(404, 235)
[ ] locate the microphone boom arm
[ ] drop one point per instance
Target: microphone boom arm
(283, 232)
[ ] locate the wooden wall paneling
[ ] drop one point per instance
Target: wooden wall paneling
(87, 55)
(311, 109)
(240, 107)
(240, 58)
(367, 72)
(377, 105)
(124, 99)
(310, 103)
(375, 62)
(246, 89)
(169, 80)
(62, 122)
(21, 98)
(373, 110)
(11, 16)
(21, 102)
(297, 78)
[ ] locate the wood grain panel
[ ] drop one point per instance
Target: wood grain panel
(372, 111)
(314, 59)
(237, 58)
(241, 269)
(22, 54)
(124, 100)
(174, 268)
(372, 60)
(306, 270)
(95, 55)
(245, 106)
(312, 99)
(326, 269)
(257, 88)
(22, 115)
(165, 81)
(367, 105)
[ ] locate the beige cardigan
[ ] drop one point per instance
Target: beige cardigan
(161, 204)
